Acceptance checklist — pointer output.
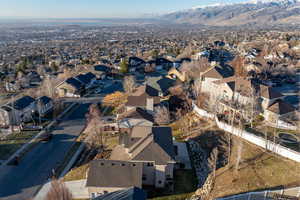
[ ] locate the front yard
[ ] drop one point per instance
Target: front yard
(13, 142)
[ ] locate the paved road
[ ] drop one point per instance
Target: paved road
(23, 181)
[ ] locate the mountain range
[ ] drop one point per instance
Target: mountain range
(255, 12)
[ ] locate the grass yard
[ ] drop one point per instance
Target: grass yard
(77, 173)
(258, 170)
(13, 142)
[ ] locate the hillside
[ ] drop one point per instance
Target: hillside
(250, 13)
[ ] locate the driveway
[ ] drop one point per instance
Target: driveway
(23, 181)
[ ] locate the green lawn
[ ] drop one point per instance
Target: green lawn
(13, 142)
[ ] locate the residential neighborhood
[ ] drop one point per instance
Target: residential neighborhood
(136, 110)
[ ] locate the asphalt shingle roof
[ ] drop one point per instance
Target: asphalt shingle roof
(132, 193)
(111, 173)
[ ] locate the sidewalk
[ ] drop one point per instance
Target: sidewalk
(20, 151)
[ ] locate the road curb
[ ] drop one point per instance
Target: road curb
(20, 152)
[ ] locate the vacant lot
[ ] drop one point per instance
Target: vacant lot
(257, 170)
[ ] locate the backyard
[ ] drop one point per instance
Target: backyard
(257, 170)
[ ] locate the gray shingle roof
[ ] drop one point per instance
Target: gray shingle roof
(132, 193)
(22, 102)
(111, 173)
(156, 146)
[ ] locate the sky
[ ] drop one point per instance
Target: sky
(97, 8)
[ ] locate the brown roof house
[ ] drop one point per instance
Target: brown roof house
(106, 176)
(135, 117)
(279, 110)
(214, 73)
(144, 97)
(153, 148)
(269, 95)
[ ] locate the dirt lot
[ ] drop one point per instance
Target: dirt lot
(257, 170)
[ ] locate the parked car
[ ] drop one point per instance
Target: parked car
(46, 137)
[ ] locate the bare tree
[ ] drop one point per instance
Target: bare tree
(161, 115)
(238, 65)
(193, 69)
(58, 191)
(95, 123)
(239, 152)
(129, 84)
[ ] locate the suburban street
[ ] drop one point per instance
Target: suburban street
(22, 182)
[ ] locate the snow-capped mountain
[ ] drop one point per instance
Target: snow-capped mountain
(251, 12)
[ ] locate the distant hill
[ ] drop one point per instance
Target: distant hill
(257, 12)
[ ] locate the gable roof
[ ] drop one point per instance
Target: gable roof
(145, 89)
(137, 113)
(141, 101)
(269, 92)
(219, 72)
(112, 173)
(44, 100)
(156, 146)
(22, 102)
(161, 84)
(281, 107)
(132, 193)
(75, 83)
(85, 78)
(102, 68)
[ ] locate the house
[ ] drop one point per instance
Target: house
(278, 109)
(151, 146)
(33, 78)
(86, 79)
(12, 86)
(133, 193)
(70, 88)
(44, 105)
(160, 84)
(106, 176)
(136, 64)
(17, 112)
(269, 95)
(102, 71)
(162, 63)
(135, 117)
(213, 73)
(143, 97)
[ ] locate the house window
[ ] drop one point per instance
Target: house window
(149, 164)
(159, 182)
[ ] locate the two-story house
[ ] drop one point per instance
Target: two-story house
(151, 146)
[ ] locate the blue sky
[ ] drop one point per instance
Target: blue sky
(96, 8)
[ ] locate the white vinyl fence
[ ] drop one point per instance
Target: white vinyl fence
(266, 195)
(259, 141)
